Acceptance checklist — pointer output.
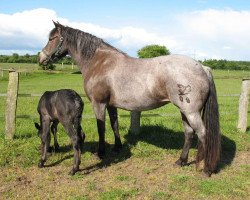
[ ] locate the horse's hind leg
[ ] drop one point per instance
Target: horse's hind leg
(80, 132)
(72, 132)
(45, 138)
(189, 132)
(196, 123)
(54, 131)
(115, 127)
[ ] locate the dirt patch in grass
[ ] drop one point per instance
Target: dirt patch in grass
(133, 178)
(242, 158)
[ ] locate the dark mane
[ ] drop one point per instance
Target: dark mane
(83, 41)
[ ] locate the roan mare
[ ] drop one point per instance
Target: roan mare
(114, 80)
(64, 106)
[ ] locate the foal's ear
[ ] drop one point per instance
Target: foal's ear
(38, 127)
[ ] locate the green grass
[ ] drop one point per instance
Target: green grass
(143, 169)
(34, 66)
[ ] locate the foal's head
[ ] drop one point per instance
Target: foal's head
(55, 48)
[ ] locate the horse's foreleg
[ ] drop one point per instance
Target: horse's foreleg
(54, 131)
(45, 138)
(99, 109)
(188, 142)
(115, 127)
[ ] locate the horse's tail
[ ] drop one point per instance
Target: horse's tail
(210, 116)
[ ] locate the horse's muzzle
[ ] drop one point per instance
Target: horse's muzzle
(42, 59)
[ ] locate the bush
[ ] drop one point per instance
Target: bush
(226, 64)
(151, 51)
(48, 67)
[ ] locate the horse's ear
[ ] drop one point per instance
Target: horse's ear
(38, 127)
(55, 23)
(58, 26)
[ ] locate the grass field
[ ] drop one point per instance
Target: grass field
(144, 168)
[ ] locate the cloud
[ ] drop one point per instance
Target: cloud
(200, 34)
(28, 30)
(216, 33)
(25, 31)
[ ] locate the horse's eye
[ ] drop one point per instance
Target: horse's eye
(52, 38)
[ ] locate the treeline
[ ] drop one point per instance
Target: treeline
(15, 58)
(213, 63)
(227, 65)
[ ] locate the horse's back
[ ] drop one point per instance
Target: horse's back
(144, 84)
(60, 104)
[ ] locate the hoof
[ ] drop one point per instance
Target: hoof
(180, 163)
(207, 174)
(41, 165)
(73, 171)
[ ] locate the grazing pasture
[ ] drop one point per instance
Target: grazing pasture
(144, 168)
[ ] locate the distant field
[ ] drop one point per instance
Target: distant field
(143, 170)
(34, 67)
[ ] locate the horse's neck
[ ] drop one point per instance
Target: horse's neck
(79, 60)
(85, 64)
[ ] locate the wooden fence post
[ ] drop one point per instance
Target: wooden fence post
(243, 105)
(11, 103)
(135, 121)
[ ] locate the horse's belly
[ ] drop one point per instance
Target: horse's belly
(140, 104)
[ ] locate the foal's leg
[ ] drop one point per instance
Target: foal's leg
(45, 138)
(99, 109)
(115, 126)
(80, 132)
(54, 131)
(72, 132)
(187, 144)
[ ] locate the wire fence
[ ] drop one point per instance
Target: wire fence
(11, 114)
(25, 116)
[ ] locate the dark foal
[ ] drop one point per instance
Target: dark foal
(63, 106)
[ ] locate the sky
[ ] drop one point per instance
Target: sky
(202, 29)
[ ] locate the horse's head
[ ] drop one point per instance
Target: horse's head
(55, 48)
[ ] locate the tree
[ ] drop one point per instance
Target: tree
(151, 51)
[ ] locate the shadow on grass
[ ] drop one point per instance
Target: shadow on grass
(76, 72)
(24, 136)
(248, 129)
(156, 135)
(228, 151)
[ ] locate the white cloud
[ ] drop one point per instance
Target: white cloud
(200, 34)
(218, 33)
(28, 30)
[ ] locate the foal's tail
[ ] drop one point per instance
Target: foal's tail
(210, 117)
